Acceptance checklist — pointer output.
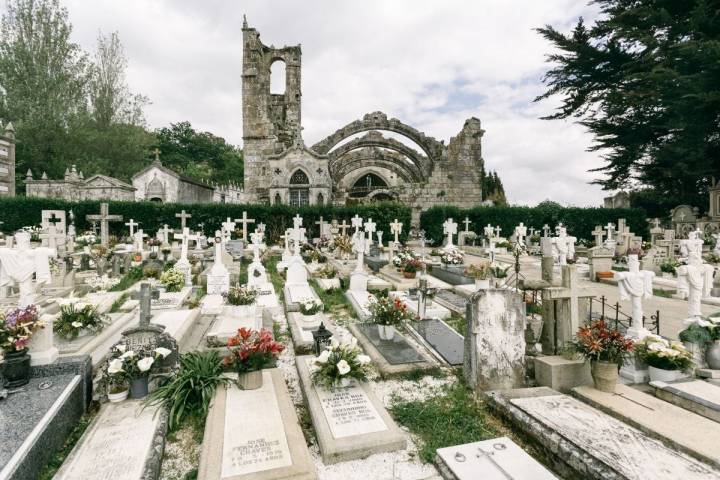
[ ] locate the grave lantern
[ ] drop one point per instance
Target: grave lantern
(321, 338)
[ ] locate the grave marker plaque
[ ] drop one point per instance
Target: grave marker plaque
(349, 412)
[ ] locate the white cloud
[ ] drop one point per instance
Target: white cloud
(430, 63)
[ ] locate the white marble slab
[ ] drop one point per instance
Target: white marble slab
(228, 323)
(176, 322)
(432, 309)
(624, 448)
(497, 459)
(170, 300)
(254, 439)
(350, 412)
(267, 298)
(360, 301)
(212, 304)
(105, 452)
(696, 388)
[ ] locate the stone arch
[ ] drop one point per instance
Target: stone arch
(278, 77)
(155, 190)
(383, 194)
(299, 177)
(433, 149)
(377, 141)
(343, 168)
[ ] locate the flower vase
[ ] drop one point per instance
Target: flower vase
(662, 375)
(118, 397)
(604, 375)
(483, 284)
(250, 380)
(16, 368)
(309, 322)
(386, 332)
(139, 387)
(712, 355)
(409, 274)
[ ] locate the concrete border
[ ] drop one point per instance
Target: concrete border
(349, 448)
(382, 364)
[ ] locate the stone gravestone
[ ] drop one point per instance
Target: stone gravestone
(563, 307)
(218, 279)
(495, 340)
(105, 218)
(56, 219)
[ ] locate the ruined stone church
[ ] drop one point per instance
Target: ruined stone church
(359, 162)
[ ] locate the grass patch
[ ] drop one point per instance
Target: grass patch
(458, 323)
(57, 460)
(452, 417)
(129, 279)
(417, 374)
(277, 281)
(115, 307)
(658, 292)
(335, 301)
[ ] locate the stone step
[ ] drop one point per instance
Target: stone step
(697, 396)
(684, 430)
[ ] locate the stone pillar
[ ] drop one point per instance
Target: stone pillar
(41, 346)
(547, 261)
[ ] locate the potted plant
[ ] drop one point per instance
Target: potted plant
(138, 365)
(411, 267)
(481, 274)
(250, 352)
(701, 338)
(78, 318)
(498, 273)
(16, 329)
(669, 267)
(452, 259)
(341, 363)
(343, 245)
(388, 313)
(606, 349)
(309, 309)
(173, 280)
(116, 379)
(667, 361)
(242, 298)
(151, 270)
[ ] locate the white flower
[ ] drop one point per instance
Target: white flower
(77, 324)
(144, 364)
(121, 348)
(115, 366)
(64, 302)
(162, 351)
(363, 359)
(343, 367)
(323, 358)
(128, 354)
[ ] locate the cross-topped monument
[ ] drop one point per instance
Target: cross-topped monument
(449, 229)
(599, 234)
(467, 223)
(104, 218)
(131, 225)
(183, 219)
(228, 226)
(566, 318)
(51, 237)
(321, 224)
(396, 229)
(546, 230)
(356, 222)
(145, 296)
(343, 227)
(165, 231)
(244, 221)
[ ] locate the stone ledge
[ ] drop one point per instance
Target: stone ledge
(561, 374)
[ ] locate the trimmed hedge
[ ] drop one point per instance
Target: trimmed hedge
(22, 211)
(580, 222)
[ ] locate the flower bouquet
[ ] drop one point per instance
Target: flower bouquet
(388, 313)
(101, 283)
(452, 257)
(78, 318)
(241, 295)
(343, 245)
(310, 306)
(666, 360)
(173, 280)
(606, 349)
(326, 272)
(339, 364)
(481, 274)
(137, 365)
(250, 352)
(16, 329)
(702, 336)
(411, 267)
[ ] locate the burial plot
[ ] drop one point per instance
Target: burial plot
(177, 323)
(432, 309)
(97, 345)
(350, 422)
(171, 300)
(390, 356)
(451, 300)
(302, 335)
(254, 434)
(586, 443)
(230, 320)
(696, 396)
(452, 275)
(124, 442)
(497, 459)
(442, 339)
(36, 422)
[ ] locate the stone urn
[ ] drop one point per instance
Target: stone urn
(250, 380)
(482, 284)
(605, 375)
(712, 355)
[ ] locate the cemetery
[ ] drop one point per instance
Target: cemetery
(353, 310)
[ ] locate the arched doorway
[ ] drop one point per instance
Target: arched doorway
(155, 191)
(299, 189)
(365, 185)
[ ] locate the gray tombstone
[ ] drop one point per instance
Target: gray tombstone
(494, 356)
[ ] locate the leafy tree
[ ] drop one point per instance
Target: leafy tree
(492, 187)
(200, 155)
(645, 81)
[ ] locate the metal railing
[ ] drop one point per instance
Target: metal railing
(611, 313)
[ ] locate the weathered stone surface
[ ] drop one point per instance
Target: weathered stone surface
(254, 434)
(390, 356)
(696, 396)
(350, 422)
(561, 374)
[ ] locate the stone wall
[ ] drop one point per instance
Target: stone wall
(7, 162)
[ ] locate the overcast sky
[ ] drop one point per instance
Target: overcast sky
(432, 64)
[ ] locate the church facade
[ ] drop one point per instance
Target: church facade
(75, 187)
(359, 162)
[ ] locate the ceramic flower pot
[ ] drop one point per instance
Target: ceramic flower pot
(604, 375)
(662, 375)
(409, 274)
(482, 284)
(250, 380)
(712, 355)
(698, 354)
(386, 332)
(16, 368)
(139, 387)
(118, 397)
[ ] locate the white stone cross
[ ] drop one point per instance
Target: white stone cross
(245, 221)
(343, 227)
(497, 231)
(50, 239)
(132, 224)
(610, 227)
(380, 235)
(228, 226)
(599, 234)
(139, 240)
(166, 233)
(370, 227)
(467, 223)
(359, 247)
(256, 239)
(185, 237)
(489, 231)
(449, 229)
(356, 222)
(104, 217)
(570, 291)
(321, 224)
(297, 221)
(546, 230)
(396, 229)
(286, 239)
(183, 219)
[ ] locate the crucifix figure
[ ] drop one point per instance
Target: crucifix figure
(132, 224)
(183, 219)
(449, 229)
(635, 285)
(145, 296)
(356, 222)
(286, 239)
(467, 223)
(696, 277)
(104, 218)
(22, 263)
(369, 229)
(396, 229)
(245, 221)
